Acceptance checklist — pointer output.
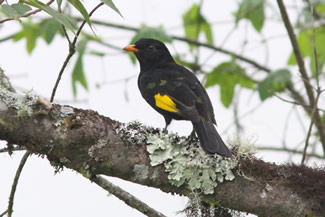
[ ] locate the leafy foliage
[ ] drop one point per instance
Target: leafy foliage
(79, 6)
(194, 23)
(306, 41)
(227, 75)
(61, 18)
(253, 10)
(46, 29)
(15, 10)
(276, 81)
(78, 74)
(110, 4)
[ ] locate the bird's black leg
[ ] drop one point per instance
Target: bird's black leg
(167, 121)
(193, 133)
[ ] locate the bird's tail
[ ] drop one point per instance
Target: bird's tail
(210, 139)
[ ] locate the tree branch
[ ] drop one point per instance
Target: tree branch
(303, 71)
(129, 199)
(4, 213)
(15, 182)
(92, 144)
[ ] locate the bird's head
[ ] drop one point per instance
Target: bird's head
(150, 52)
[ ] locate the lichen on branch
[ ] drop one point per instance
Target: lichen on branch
(183, 159)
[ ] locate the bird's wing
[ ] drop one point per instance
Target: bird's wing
(175, 89)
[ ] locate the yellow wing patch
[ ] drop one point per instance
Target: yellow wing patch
(165, 102)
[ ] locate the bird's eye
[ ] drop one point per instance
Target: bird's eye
(151, 47)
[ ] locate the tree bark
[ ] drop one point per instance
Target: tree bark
(89, 143)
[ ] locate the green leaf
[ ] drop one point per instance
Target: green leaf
(320, 9)
(79, 6)
(49, 28)
(30, 31)
(15, 10)
(194, 23)
(97, 53)
(110, 4)
(78, 74)
(59, 3)
(227, 75)
(21, 8)
(306, 45)
(55, 14)
(149, 32)
(206, 28)
(9, 11)
(253, 10)
(190, 22)
(276, 81)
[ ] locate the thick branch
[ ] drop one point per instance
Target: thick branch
(89, 143)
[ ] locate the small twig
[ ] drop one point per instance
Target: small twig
(63, 27)
(238, 126)
(295, 103)
(240, 117)
(126, 197)
(27, 14)
(15, 182)
(303, 72)
(318, 89)
(7, 38)
(72, 50)
(197, 49)
(310, 128)
(4, 213)
(293, 151)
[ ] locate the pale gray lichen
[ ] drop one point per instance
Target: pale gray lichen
(188, 163)
(141, 172)
(22, 103)
(100, 144)
(134, 132)
(3, 107)
(65, 111)
(183, 159)
(4, 81)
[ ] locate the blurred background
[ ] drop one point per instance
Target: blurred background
(244, 106)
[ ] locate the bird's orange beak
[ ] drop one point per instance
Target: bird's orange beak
(131, 48)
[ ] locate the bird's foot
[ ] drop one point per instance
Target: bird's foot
(192, 137)
(165, 130)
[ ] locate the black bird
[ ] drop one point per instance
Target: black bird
(176, 93)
